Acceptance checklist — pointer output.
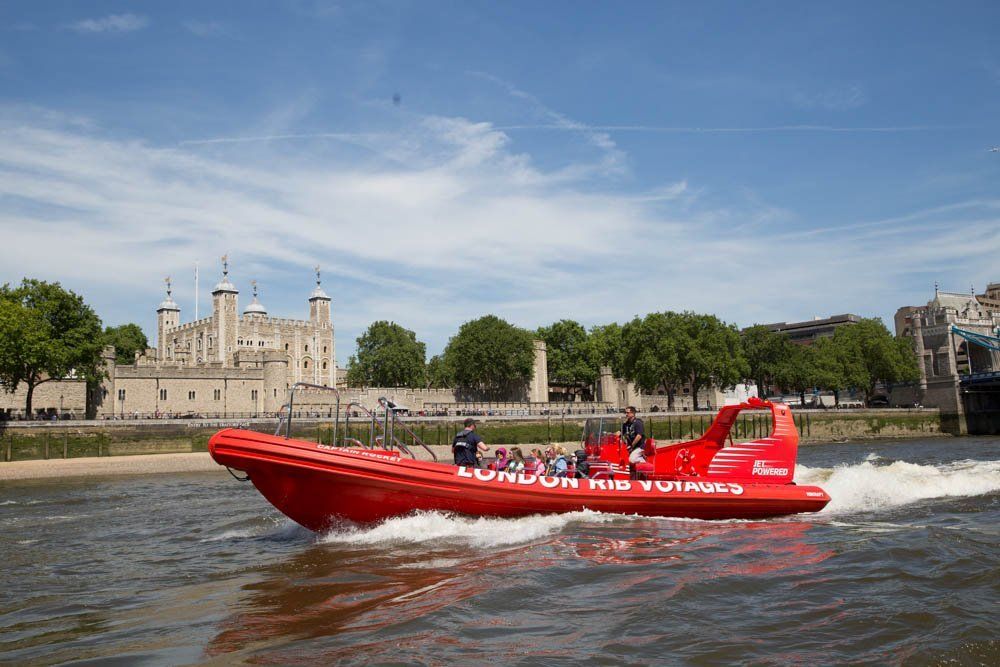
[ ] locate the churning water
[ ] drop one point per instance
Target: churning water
(903, 567)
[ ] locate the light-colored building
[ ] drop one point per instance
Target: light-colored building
(947, 359)
(227, 363)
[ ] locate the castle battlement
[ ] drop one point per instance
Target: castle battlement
(188, 326)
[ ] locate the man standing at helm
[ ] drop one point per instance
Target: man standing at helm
(467, 444)
(634, 435)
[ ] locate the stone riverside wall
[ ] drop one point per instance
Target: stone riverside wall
(56, 440)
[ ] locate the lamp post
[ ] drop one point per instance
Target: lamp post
(60, 406)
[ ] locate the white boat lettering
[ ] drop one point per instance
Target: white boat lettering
(762, 468)
(682, 486)
(484, 475)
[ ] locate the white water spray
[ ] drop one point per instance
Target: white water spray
(867, 487)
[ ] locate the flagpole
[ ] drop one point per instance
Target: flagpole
(196, 291)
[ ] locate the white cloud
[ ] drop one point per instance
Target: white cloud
(446, 222)
(111, 23)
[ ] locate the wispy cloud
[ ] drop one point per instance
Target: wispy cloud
(665, 129)
(614, 158)
(464, 225)
(209, 28)
(112, 23)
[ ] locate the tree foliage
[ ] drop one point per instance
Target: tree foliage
(127, 339)
(571, 356)
(766, 353)
(651, 354)
(46, 333)
(491, 357)
(606, 346)
(673, 349)
(710, 353)
(867, 354)
(439, 374)
(388, 355)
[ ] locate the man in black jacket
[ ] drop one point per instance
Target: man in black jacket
(467, 444)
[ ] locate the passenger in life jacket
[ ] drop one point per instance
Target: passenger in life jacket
(516, 461)
(467, 445)
(582, 467)
(560, 466)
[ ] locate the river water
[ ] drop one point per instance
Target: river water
(903, 567)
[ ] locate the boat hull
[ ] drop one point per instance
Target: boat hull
(316, 484)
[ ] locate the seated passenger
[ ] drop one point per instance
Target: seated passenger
(539, 464)
(501, 460)
(560, 466)
(516, 461)
(582, 467)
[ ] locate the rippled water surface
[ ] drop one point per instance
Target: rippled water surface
(903, 567)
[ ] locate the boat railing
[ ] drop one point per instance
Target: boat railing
(376, 440)
(289, 408)
(393, 422)
(382, 430)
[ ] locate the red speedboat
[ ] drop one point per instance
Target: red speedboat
(315, 483)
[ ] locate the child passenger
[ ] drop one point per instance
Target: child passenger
(516, 461)
(540, 464)
(560, 466)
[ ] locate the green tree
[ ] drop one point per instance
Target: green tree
(439, 374)
(570, 354)
(765, 351)
(798, 370)
(491, 357)
(710, 353)
(127, 340)
(869, 354)
(387, 356)
(651, 353)
(606, 346)
(46, 333)
(829, 368)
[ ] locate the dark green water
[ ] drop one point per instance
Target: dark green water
(902, 568)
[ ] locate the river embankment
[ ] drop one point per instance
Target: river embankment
(21, 442)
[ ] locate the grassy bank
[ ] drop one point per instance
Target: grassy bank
(117, 439)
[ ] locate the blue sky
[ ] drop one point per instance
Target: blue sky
(763, 161)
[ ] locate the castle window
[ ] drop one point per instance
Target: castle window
(216, 394)
(305, 364)
(324, 349)
(307, 348)
(324, 365)
(286, 346)
(253, 394)
(163, 394)
(190, 395)
(121, 394)
(276, 393)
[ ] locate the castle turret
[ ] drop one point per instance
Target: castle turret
(168, 316)
(319, 303)
(224, 309)
(255, 307)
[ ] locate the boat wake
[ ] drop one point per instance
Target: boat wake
(423, 527)
(875, 484)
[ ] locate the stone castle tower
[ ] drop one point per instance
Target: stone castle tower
(304, 349)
